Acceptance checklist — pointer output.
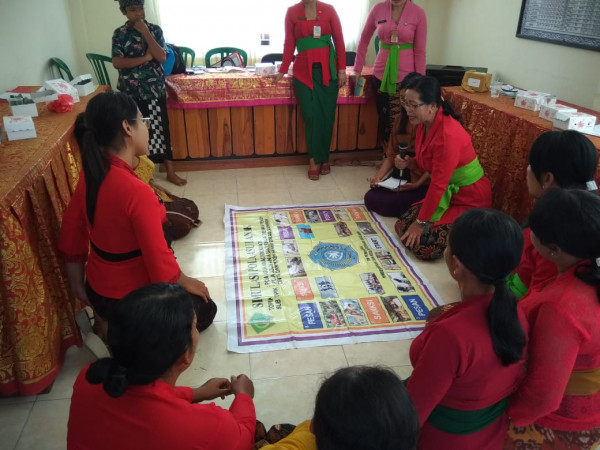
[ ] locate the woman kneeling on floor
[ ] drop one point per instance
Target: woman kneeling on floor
(443, 148)
(469, 360)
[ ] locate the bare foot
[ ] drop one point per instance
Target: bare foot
(176, 179)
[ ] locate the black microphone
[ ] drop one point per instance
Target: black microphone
(402, 151)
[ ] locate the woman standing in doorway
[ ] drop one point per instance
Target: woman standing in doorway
(401, 27)
(314, 28)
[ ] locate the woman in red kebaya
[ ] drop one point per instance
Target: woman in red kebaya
(132, 401)
(558, 404)
(564, 159)
(443, 148)
(469, 360)
(112, 236)
(313, 28)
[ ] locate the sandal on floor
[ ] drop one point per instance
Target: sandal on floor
(313, 174)
(325, 169)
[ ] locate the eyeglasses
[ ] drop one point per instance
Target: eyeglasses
(145, 121)
(412, 105)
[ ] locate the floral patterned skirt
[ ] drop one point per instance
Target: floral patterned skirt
(535, 437)
(433, 240)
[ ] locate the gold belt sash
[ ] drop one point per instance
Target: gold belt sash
(584, 382)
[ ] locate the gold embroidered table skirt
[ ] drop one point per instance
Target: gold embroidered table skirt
(502, 135)
(37, 178)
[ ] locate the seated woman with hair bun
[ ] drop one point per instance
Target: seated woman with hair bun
(132, 401)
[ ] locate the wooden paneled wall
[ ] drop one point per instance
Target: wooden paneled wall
(264, 131)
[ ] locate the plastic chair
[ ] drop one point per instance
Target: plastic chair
(223, 52)
(376, 44)
(185, 52)
(97, 62)
(350, 58)
(62, 68)
(272, 57)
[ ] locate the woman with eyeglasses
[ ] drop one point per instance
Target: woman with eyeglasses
(112, 235)
(444, 149)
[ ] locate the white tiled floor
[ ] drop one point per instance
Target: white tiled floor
(285, 381)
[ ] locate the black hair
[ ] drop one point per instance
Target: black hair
(431, 94)
(489, 243)
(96, 130)
(568, 155)
(403, 116)
(148, 330)
(360, 408)
(570, 219)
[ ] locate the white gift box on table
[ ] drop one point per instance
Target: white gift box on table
(19, 127)
(533, 100)
(548, 112)
(83, 84)
(63, 87)
(266, 69)
(21, 105)
(574, 121)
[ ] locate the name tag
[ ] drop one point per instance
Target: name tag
(316, 31)
(382, 21)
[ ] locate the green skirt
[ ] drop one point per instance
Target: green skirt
(317, 106)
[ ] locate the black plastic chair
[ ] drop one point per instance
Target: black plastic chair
(98, 64)
(272, 57)
(350, 58)
(63, 69)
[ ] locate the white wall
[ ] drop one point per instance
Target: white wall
(25, 49)
(461, 32)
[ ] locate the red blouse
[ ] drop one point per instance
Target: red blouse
(455, 366)
(447, 147)
(156, 416)
(565, 336)
(297, 27)
(128, 217)
(534, 271)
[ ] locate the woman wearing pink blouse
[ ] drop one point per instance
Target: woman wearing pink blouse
(402, 30)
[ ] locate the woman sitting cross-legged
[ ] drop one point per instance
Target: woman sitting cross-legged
(469, 359)
(131, 400)
(558, 404)
(443, 148)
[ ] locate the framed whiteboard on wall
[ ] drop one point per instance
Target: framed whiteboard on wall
(575, 23)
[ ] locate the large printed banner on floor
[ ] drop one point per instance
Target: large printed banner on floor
(302, 276)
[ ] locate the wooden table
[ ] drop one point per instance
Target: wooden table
(242, 115)
(502, 135)
(37, 178)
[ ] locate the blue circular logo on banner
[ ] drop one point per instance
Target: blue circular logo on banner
(334, 256)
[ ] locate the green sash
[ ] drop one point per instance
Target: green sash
(455, 421)
(516, 286)
(309, 42)
(390, 74)
(463, 176)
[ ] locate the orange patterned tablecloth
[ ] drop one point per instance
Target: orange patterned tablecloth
(225, 90)
(37, 178)
(502, 135)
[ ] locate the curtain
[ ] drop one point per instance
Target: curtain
(202, 25)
